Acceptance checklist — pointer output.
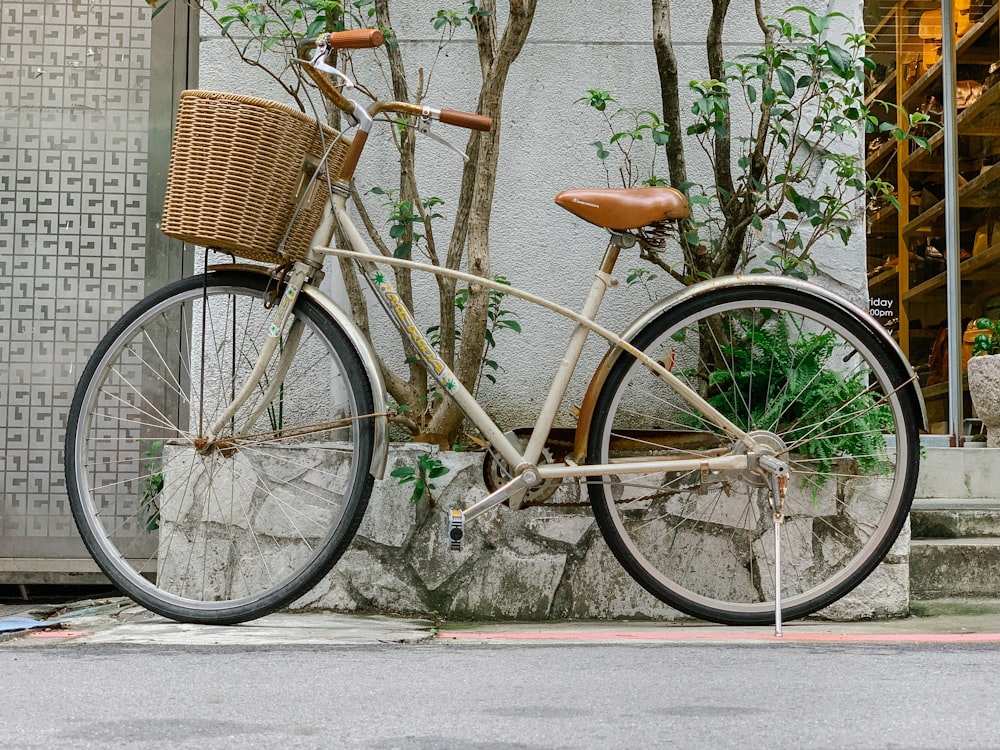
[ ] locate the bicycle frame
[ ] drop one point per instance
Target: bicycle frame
(525, 465)
(525, 468)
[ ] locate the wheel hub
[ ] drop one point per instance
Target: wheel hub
(226, 446)
(766, 443)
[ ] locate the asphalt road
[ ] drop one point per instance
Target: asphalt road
(455, 695)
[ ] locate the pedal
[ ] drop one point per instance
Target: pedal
(456, 530)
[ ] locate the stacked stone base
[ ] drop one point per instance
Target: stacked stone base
(538, 563)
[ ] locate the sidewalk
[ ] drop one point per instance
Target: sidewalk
(119, 621)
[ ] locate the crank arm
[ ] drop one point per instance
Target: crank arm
(457, 517)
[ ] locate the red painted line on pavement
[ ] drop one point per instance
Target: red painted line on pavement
(724, 636)
(57, 634)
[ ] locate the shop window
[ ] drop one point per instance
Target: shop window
(907, 249)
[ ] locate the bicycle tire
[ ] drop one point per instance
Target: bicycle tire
(233, 530)
(704, 543)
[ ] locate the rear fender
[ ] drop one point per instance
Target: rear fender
(703, 288)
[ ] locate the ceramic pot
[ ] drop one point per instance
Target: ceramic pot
(984, 387)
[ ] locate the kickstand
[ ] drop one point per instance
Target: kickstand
(777, 575)
(779, 483)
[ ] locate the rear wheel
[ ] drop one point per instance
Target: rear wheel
(224, 530)
(811, 382)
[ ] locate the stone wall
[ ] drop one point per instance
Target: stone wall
(537, 563)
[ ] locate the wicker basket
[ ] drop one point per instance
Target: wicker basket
(238, 166)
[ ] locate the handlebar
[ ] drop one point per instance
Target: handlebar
(355, 39)
(367, 39)
(469, 120)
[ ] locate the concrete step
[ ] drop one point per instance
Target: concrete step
(966, 567)
(948, 473)
(954, 518)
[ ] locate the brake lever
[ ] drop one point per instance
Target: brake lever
(319, 62)
(423, 126)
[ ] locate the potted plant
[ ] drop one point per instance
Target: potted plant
(984, 378)
(977, 440)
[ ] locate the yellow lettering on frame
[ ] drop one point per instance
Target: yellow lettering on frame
(414, 333)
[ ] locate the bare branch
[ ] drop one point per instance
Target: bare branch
(666, 65)
(716, 71)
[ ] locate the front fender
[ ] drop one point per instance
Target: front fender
(708, 287)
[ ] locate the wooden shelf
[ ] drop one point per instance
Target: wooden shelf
(885, 28)
(979, 196)
(889, 275)
(884, 221)
(967, 53)
(940, 390)
(881, 91)
(883, 158)
(979, 119)
(978, 267)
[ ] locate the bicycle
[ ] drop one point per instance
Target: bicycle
(225, 434)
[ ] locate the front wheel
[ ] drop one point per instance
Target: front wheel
(810, 381)
(225, 528)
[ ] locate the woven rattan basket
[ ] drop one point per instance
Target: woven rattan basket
(238, 167)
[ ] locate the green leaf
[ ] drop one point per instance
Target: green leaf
(787, 81)
(159, 8)
(602, 153)
(817, 23)
(840, 59)
(511, 324)
(404, 474)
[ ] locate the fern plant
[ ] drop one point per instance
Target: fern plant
(782, 378)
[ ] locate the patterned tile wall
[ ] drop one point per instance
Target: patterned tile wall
(74, 102)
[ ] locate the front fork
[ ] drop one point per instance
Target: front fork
(276, 329)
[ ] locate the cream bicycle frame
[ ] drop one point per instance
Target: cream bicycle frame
(524, 465)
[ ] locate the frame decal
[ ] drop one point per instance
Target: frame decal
(406, 323)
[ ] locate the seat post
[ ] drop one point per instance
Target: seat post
(611, 254)
(619, 241)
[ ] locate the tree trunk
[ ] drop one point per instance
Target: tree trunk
(666, 67)
(495, 59)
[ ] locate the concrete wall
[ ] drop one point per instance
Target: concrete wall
(546, 142)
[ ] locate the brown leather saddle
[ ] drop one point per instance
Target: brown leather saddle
(620, 209)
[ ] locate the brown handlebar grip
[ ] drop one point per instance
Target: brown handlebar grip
(469, 120)
(356, 39)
